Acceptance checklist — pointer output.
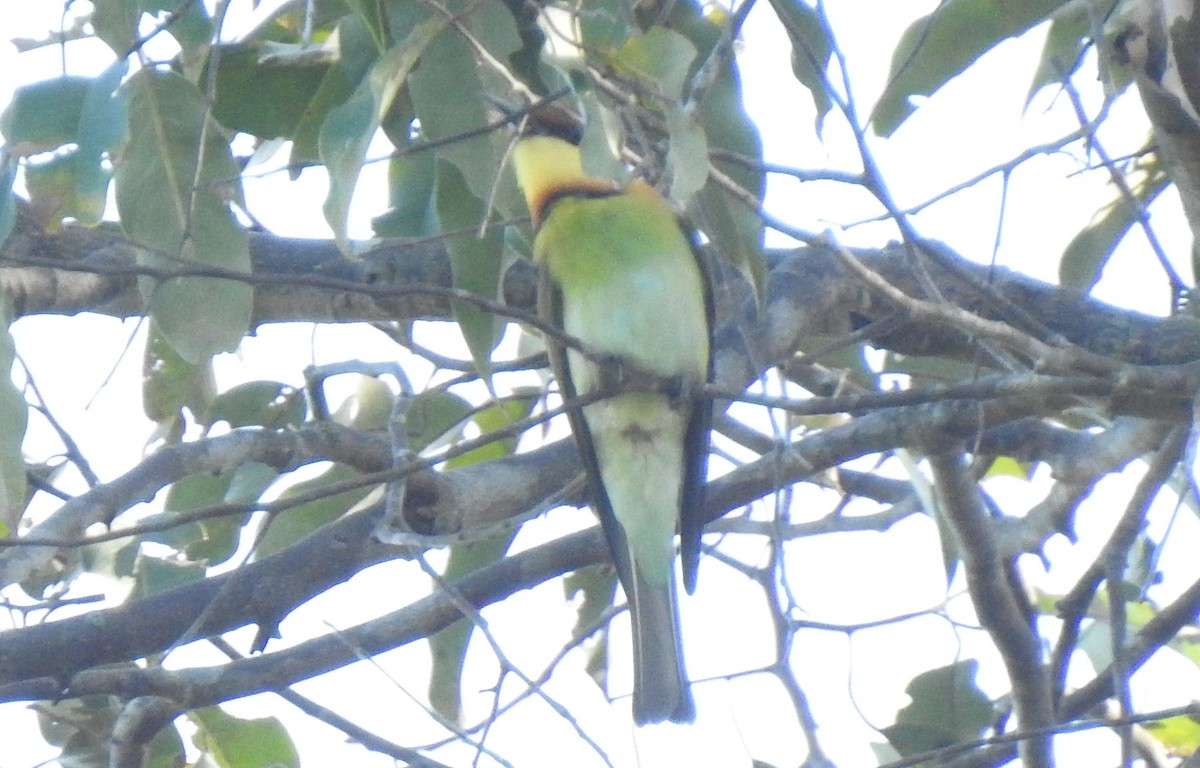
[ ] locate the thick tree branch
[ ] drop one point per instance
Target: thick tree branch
(996, 604)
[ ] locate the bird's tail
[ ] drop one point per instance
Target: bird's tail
(660, 689)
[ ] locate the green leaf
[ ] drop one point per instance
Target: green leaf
(103, 123)
(687, 156)
(345, 135)
(1180, 735)
(234, 742)
(349, 128)
(265, 88)
(947, 708)
(177, 209)
(153, 575)
(475, 262)
(44, 115)
(14, 417)
(594, 590)
(659, 60)
(216, 539)
(166, 749)
(116, 23)
(80, 727)
(449, 66)
(811, 50)
(940, 46)
(8, 200)
(449, 646)
(371, 12)
(357, 54)
(603, 26)
(1085, 256)
(1069, 37)
(433, 417)
(51, 188)
(269, 404)
(410, 193)
(170, 383)
(1007, 466)
(291, 525)
(369, 408)
(73, 183)
(192, 29)
(735, 230)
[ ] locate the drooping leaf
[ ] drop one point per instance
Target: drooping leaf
(44, 115)
(594, 590)
(659, 61)
(687, 157)
(170, 383)
(270, 404)
(14, 417)
(811, 50)
(356, 55)
(8, 200)
(1085, 256)
(345, 135)
(475, 262)
(449, 646)
(116, 23)
(191, 26)
(153, 575)
(291, 525)
(410, 194)
(941, 45)
(175, 182)
(946, 708)
(265, 88)
(103, 123)
(349, 128)
(449, 66)
(1070, 34)
(234, 742)
(735, 230)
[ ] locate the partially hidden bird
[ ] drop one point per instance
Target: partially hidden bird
(620, 273)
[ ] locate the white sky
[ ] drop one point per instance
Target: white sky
(972, 124)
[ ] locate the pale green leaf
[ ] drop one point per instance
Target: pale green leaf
(357, 54)
(448, 66)
(174, 184)
(291, 525)
(811, 50)
(116, 23)
(946, 708)
(265, 88)
(659, 60)
(475, 262)
(233, 742)
(44, 115)
(345, 136)
(941, 45)
(103, 123)
(14, 417)
(687, 157)
(449, 647)
(1085, 256)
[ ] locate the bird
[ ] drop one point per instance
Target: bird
(621, 273)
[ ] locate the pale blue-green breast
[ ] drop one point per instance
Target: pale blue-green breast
(630, 283)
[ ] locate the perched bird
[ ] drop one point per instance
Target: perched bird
(619, 273)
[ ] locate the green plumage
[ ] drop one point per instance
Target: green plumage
(619, 274)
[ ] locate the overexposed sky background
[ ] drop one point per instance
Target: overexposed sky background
(974, 123)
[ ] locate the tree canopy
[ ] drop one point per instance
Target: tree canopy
(925, 461)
